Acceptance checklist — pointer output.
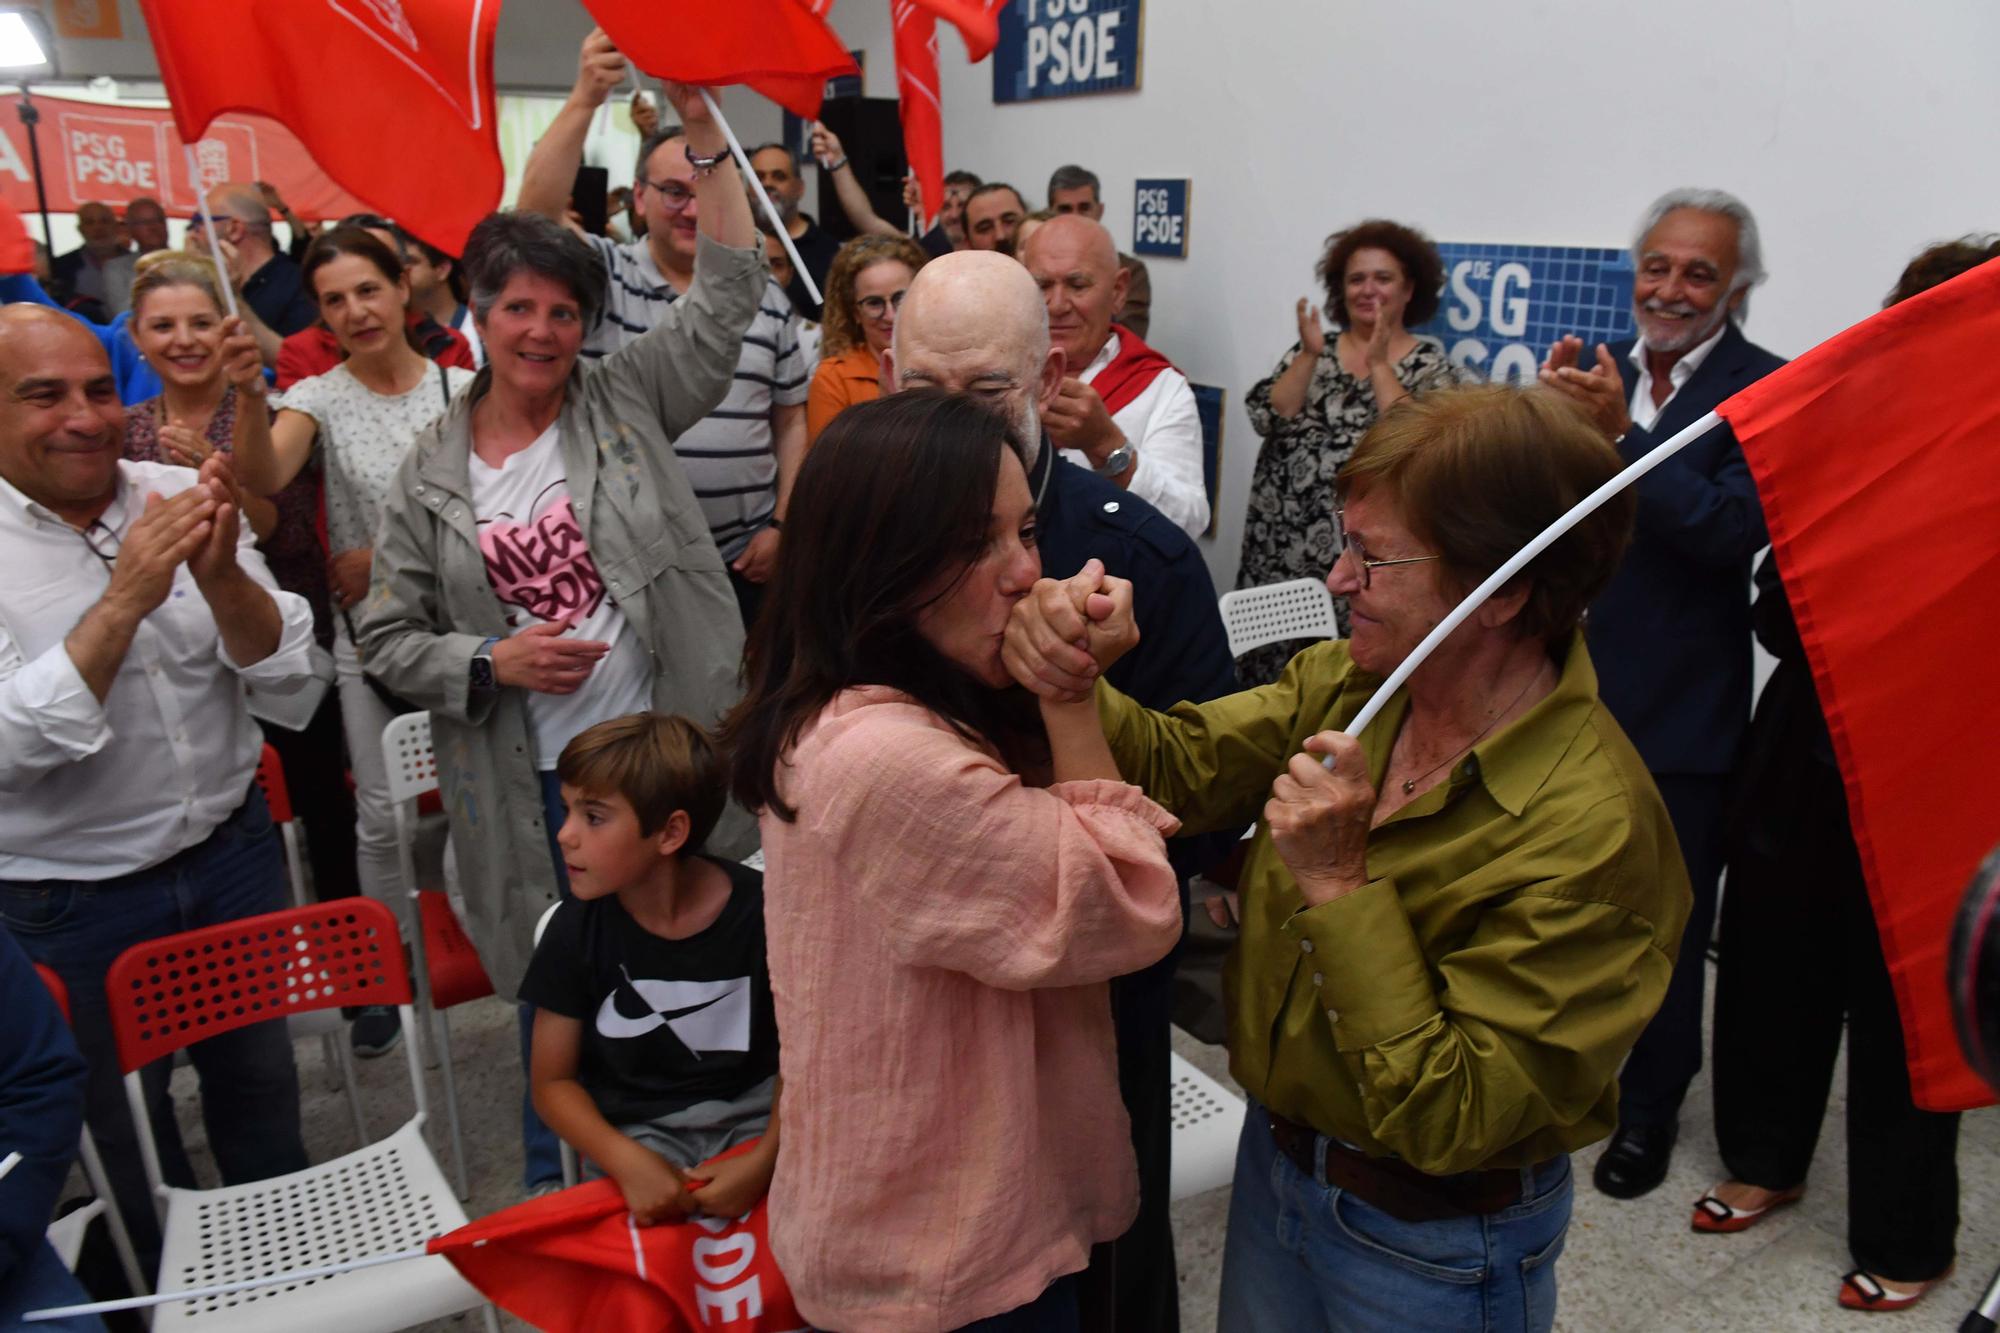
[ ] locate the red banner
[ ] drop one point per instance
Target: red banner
(93, 152)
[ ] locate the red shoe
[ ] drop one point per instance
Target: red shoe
(1715, 1217)
(1858, 1291)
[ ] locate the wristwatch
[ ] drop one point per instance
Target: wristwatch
(483, 680)
(1116, 462)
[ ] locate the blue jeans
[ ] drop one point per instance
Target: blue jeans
(1054, 1311)
(541, 1151)
(249, 1085)
(40, 1282)
(1301, 1255)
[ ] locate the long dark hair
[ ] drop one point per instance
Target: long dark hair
(888, 514)
(348, 239)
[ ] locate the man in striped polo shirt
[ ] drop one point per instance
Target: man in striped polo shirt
(741, 458)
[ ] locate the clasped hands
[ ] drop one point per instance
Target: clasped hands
(197, 527)
(1066, 632)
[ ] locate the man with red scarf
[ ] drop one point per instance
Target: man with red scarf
(1124, 411)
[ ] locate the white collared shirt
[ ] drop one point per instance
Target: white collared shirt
(1164, 430)
(89, 791)
(1643, 413)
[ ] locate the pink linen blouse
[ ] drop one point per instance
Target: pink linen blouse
(941, 935)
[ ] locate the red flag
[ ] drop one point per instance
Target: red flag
(393, 98)
(917, 97)
(781, 48)
(977, 21)
(1877, 456)
(574, 1262)
(17, 248)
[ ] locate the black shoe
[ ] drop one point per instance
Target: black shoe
(1636, 1160)
(375, 1031)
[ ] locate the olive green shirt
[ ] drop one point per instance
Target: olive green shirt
(1470, 1005)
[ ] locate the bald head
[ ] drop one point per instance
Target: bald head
(61, 424)
(973, 322)
(1075, 268)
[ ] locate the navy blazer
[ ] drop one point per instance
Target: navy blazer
(1183, 650)
(1670, 634)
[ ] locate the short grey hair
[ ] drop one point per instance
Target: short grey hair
(1749, 248)
(506, 244)
(1073, 177)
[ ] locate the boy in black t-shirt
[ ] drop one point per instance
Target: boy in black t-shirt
(655, 1042)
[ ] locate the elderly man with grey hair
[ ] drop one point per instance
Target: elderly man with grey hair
(1671, 633)
(269, 279)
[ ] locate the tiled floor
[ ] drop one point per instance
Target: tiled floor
(1630, 1266)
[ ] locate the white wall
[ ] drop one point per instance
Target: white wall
(1858, 132)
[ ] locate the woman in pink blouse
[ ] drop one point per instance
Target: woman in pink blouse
(953, 873)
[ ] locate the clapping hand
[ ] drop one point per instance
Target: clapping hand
(1599, 391)
(215, 559)
(1312, 335)
(167, 532)
(1388, 325)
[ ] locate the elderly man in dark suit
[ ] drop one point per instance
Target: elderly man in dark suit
(1671, 633)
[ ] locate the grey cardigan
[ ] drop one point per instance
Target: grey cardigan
(430, 606)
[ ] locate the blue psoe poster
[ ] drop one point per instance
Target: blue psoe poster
(1504, 304)
(1061, 48)
(1160, 218)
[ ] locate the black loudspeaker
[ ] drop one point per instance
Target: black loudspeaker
(871, 131)
(1975, 972)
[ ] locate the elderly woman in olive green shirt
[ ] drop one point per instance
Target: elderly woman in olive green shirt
(1451, 937)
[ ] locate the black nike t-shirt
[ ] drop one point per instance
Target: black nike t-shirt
(666, 1023)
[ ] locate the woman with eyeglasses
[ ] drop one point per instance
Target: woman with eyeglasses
(1452, 937)
(864, 290)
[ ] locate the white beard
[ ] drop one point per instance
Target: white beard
(1686, 338)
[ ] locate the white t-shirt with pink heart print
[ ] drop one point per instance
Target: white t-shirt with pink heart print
(541, 571)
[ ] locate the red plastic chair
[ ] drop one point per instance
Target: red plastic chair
(448, 968)
(330, 1028)
(93, 1165)
(390, 1195)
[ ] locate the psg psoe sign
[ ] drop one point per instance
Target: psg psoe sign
(1504, 304)
(1160, 218)
(1059, 48)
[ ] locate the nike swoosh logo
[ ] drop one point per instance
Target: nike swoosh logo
(611, 1023)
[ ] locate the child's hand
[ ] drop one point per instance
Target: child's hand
(728, 1187)
(654, 1190)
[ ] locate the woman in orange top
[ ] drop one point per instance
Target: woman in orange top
(863, 290)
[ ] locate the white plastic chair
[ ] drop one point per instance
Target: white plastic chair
(447, 967)
(327, 1025)
(1207, 1120)
(167, 994)
(1277, 613)
(66, 1232)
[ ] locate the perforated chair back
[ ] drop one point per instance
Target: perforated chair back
(406, 750)
(456, 974)
(1207, 1120)
(1276, 613)
(169, 993)
(271, 778)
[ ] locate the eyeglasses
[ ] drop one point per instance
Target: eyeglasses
(96, 537)
(877, 306)
(1350, 544)
(674, 195)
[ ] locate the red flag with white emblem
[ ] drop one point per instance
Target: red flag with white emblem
(393, 98)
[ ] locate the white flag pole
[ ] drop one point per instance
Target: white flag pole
(223, 1288)
(208, 228)
(770, 210)
(1499, 577)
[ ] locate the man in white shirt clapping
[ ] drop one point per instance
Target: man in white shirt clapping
(133, 616)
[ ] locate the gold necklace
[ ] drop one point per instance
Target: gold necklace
(1410, 784)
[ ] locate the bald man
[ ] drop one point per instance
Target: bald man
(100, 270)
(128, 755)
(270, 281)
(1122, 410)
(974, 322)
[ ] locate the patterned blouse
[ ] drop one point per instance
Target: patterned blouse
(1288, 533)
(293, 550)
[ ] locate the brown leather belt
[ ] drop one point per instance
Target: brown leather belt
(1396, 1187)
